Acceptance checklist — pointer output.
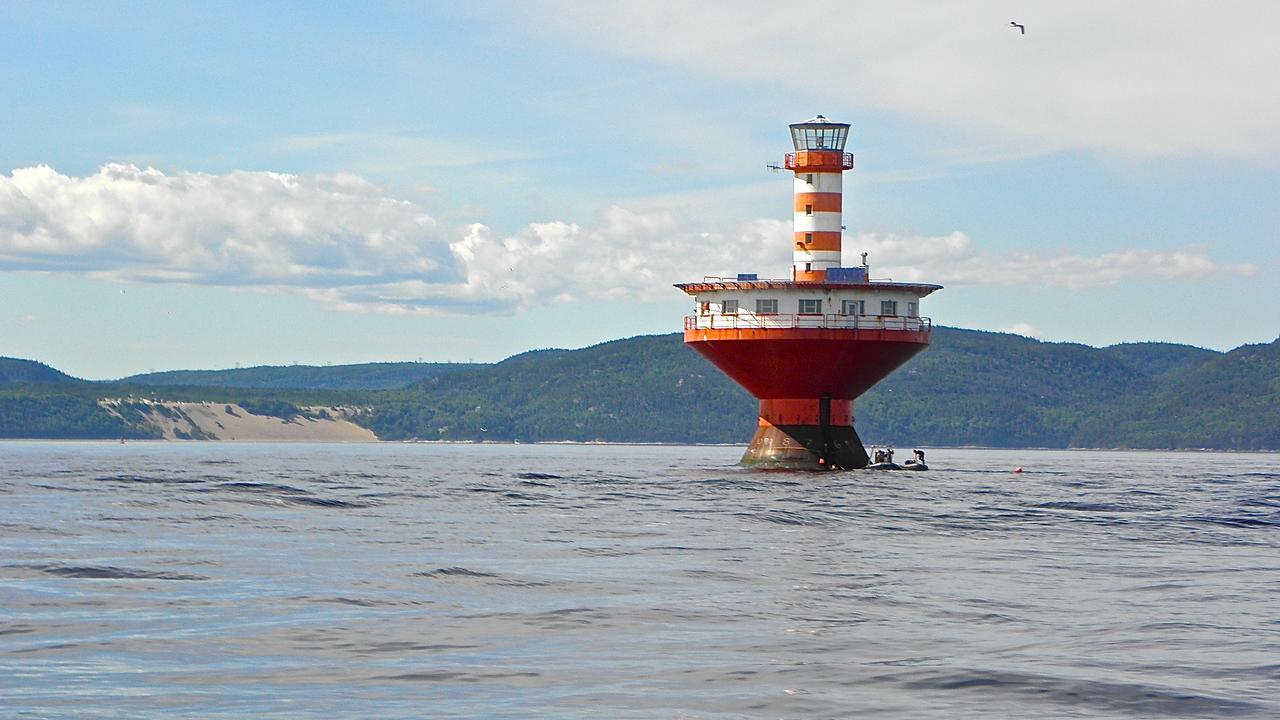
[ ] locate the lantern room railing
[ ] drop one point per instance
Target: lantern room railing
(749, 321)
(818, 160)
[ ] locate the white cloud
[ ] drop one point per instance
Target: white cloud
(1148, 77)
(242, 228)
(954, 260)
(1021, 329)
(341, 241)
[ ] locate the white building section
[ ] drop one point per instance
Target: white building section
(827, 258)
(810, 221)
(819, 182)
(889, 306)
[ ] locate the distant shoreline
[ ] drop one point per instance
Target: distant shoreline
(578, 443)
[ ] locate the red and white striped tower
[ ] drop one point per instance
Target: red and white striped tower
(819, 162)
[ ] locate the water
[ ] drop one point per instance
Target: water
(225, 580)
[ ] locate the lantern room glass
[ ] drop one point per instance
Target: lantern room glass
(819, 136)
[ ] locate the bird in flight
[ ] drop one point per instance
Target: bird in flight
(1021, 28)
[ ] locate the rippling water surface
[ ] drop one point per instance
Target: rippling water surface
(226, 580)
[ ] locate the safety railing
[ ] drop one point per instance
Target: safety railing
(790, 161)
(748, 321)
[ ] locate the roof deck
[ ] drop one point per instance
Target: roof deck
(712, 284)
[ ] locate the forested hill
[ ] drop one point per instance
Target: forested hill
(1002, 390)
(1229, 401)
(16, 371)
(366, 376)
(969, 388)
(642, 389)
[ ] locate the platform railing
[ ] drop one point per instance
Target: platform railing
(748, 321)
(846, 159)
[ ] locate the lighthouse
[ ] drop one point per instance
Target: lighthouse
(809, 344)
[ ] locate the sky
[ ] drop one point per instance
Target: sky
(212, 185)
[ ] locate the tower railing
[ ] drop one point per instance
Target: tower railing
(846, 159)
(749, 321)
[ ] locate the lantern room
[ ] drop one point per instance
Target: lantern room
(819, 134)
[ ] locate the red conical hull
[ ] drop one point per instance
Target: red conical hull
(804, 362)
(807, 379)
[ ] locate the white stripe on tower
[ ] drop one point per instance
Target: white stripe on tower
(817, 220)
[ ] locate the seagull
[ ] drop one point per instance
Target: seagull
(1021, 28)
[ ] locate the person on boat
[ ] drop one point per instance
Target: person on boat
(919, 455)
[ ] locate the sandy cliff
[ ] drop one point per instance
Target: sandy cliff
(223, 421)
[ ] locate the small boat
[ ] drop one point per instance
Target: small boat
(916, 462)
(884, 466)
(883, 460)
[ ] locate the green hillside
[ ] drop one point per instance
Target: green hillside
(969, 388)
(70, 410)
(1158, 359)
(1001, 390)
(46, 412)
(15, 370)
(1229, 401)
(366, 376)
(643, 389)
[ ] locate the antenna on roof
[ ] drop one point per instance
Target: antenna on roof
(773, 167)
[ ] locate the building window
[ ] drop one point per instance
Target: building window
(810, 307)
(852, 307)
(808, 267)
(704, 308)
(913, 310)
(766, 307)
(808, 238)
(730, 307)
(888, 307)
(808, 209)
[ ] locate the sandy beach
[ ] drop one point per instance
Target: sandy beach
(229, 421)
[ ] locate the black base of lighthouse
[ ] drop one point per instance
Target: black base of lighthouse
(806, 447)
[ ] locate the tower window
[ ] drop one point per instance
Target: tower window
(888, 307)
(808, 238)
(809, 178)
(808, 209)
(810, 307)
(766, 307)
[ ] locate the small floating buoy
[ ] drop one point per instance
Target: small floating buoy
(1018, 470)
(822, 461)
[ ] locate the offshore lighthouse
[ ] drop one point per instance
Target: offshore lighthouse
(807, 346)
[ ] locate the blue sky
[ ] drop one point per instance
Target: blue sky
(200, 186)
